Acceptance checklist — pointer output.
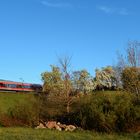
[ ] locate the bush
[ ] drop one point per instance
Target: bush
(54, 108)
(109, 112)
(51, 107)
(22, 114)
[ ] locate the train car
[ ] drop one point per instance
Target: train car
(19, 87)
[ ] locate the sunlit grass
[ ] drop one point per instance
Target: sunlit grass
(8, 100)
(33, 134)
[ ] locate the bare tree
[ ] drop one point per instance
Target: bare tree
(65, 64)
(133, 53)
(131, 59)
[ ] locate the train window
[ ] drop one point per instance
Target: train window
(26, 86)
(19, 86)
(2, 85)
(11, 85)
(36, 87)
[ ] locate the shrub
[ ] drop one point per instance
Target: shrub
(109, 112)
(22, 114)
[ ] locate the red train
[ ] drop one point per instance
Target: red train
(18, 86)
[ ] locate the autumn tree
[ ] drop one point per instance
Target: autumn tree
(66, 77)
(131, 80)
(57, 83)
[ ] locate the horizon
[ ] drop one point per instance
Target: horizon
(34, 32)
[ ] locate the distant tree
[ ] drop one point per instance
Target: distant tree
(105, 78)
(82, 81)
(66, 76)
(118, 69)
(133, 54)
(57, 83)
(53, 82)
(130, 59)
(131, 80)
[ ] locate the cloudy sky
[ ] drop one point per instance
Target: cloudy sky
(34, 32)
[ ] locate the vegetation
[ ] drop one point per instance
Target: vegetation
(85, 106)
(107, 112)
(8, 100)
(108, 102)
(131, 80)
(18, 109)
(32, 134)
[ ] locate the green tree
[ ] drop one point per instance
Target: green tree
(82, 81)
(58, 82)
(105, 78)
(53, 82)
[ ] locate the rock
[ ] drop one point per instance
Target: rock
(51, 124)
(62, 126)
(70, 128)
(54, 125)
(58, 127)
(40, 126)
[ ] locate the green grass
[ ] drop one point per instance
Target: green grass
(32, 134)
(8, 100)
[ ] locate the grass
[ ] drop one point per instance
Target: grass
(8, 100)
(33, 134)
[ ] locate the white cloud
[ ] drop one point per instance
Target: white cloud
(56, 5)
(105, 9)
(123, 11)
(111, 10)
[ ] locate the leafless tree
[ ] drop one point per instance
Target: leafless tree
(65, 64)
(133, 53)
(131, 59)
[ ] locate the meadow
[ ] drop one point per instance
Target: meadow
(8, 100)
(33, 134)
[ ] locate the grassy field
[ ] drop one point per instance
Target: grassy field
(32, 134)
(8, 100)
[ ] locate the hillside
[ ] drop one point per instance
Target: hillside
(8, 100)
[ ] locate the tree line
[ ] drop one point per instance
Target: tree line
(121, 76)
(78, 97)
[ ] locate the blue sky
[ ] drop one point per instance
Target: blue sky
(34, 32)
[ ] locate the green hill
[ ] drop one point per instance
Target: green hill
(10, 99)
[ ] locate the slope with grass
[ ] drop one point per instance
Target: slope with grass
(9, 99)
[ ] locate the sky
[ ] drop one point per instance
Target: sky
(34, 33)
